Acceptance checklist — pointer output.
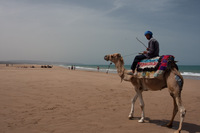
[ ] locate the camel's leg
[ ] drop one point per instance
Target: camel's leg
(175, 85)
(175, 110)
(132, 106)
(182, 112)
(142, 107)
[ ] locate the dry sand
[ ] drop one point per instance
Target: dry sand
(58, 100)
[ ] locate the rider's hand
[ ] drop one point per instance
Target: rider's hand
(145, 52)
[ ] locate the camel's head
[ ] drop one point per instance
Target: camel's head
(114, 57)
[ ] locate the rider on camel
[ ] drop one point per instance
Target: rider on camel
(151, 51)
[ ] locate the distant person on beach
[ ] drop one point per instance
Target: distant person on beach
(151, 51)
(98, 68)
(73, 67)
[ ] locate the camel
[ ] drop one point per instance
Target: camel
(171, 79)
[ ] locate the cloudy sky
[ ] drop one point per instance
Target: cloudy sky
(83, 31)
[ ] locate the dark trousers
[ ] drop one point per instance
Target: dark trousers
(137, 59)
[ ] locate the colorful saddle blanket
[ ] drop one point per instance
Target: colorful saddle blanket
(153, 68)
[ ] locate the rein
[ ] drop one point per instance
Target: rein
(109, 67)
(123, 57)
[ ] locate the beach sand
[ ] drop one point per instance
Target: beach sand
(58, 100)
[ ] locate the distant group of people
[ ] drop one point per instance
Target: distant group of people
(7, 65)
(45, 66)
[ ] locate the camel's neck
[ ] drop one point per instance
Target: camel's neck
(120, 69)
(122, 72)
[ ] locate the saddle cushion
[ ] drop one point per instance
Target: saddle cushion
(152, 68)
(148, 64)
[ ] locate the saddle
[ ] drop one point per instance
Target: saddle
(154, 67)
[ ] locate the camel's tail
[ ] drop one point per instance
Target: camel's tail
(178, 76)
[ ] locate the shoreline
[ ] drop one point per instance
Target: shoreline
(184, 74)
(80, 69)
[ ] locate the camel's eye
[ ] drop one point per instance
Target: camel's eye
(111, 56)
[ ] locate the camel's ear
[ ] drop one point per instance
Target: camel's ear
(119, 55)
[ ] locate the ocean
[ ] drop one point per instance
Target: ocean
(187, 71)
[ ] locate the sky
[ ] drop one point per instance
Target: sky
(84, 31)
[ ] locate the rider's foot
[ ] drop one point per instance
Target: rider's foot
(130, 73)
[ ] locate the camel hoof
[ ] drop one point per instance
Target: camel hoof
(141, 121)
(177, 131)
(169, 125)
(130, 117)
